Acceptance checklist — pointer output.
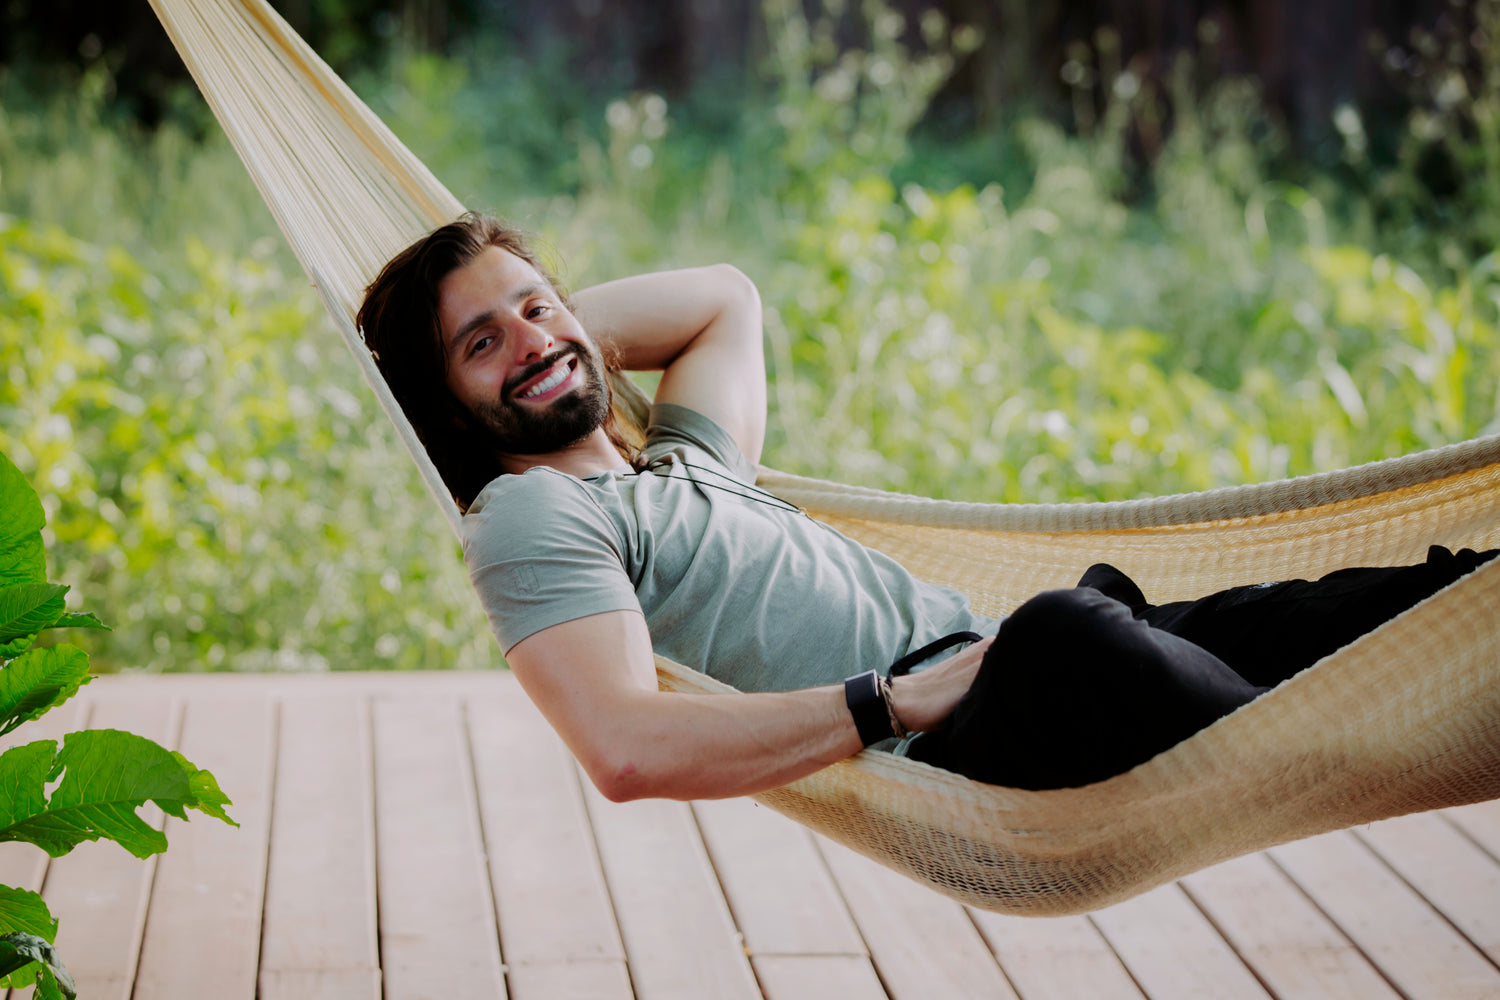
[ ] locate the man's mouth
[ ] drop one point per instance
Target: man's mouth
(554, 380)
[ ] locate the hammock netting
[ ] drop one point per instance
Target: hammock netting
(1405, 719)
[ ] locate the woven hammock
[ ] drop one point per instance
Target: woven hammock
(1405, 719)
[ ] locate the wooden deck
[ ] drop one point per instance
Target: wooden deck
(426, 836)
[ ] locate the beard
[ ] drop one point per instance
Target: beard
(509, 426)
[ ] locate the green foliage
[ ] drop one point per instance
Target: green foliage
(106, 776)
(93, 787)
(28, 958)
(200, 416)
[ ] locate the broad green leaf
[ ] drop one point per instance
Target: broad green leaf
(26, 609)
(211, 799)
(80, 619)
(38, 680)
(18, 950)
(21, 521)
(24, 910)
(106, 776)
(23, 777)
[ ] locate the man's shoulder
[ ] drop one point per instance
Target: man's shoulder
(537, 507)
(537, 484)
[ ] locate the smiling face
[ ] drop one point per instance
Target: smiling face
(516, 357)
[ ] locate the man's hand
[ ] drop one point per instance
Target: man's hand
(923, 701)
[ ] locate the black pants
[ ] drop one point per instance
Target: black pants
(1083, 684)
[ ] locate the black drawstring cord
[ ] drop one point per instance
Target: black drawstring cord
(903, 666)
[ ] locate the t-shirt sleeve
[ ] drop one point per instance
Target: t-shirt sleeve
(674, 427)
(542, 554)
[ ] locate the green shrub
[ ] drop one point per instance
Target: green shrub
(91, 787)
(217, 477)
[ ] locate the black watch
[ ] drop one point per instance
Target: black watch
(865, 695)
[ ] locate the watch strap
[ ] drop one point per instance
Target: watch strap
(865, 695)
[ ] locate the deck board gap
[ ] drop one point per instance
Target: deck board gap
(1005, 973)
(1115, 951)
(609, 890)
(1359, 949)
(176, 713)
(1218, 929)
(274, 744)
(466, 724)
(1380, 857)
(734, 917)
(822, 859)
(366, 731)
(1464, 832)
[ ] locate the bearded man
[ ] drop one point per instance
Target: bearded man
(590, 553)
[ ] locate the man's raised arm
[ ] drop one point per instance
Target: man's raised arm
(701, 328)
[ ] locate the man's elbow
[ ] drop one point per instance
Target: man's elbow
(623, 779)
(735, 287)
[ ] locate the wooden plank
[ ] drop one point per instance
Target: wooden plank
(778, 886)
(1416, 949)
(330, 984)
(816, 977)
(1056, 958)
(203, 929)
(1448, 869)
(1172, 950)
(1294, 949)
(580, 979)
(437, 920)
(924, 945)
(557, 924)
(99, 892)
(679, 939)
(799, 934)
(319, 935)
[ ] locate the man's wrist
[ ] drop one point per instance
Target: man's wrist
(868, 698)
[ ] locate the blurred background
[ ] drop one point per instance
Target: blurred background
(1016, 251)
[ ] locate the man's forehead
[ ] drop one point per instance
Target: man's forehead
(486, 282)
(494, 269)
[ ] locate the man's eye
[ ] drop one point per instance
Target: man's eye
(538, 310)
(480, 344)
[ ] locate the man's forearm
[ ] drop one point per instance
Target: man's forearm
(647, 321)
(684, 746)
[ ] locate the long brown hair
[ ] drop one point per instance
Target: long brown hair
(399, 322)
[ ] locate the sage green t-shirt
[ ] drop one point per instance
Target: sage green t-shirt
(731, 580)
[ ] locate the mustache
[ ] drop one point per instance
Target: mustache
(537, 367)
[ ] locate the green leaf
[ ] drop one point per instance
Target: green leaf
(26, 609)
(21, 521)
(106, 776)
(24, 910)
(38, 680)
(80, 619)
(18, 950)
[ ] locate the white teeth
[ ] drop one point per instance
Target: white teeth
(547, 384)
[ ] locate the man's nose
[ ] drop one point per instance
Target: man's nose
(532, 342)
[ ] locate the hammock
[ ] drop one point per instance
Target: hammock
(1405, 719)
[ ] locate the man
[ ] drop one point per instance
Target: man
(588, 553)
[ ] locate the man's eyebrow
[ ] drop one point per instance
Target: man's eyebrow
(520, 294)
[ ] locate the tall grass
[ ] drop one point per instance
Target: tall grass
(1063, 323)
